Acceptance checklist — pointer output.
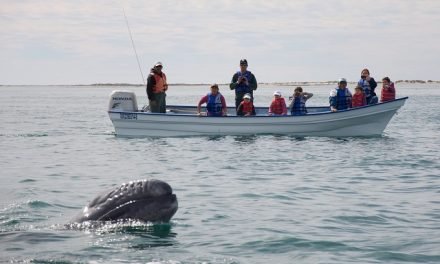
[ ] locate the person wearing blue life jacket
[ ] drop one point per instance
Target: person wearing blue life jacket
(243, 82)
(340, 97)
(298, 104)
(215, 103)
(368, 84)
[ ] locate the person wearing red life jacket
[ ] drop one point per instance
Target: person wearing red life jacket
(278, 105)
(388, 90)
(246, 107)
(156, 87)
(215, 103)
(358, 99)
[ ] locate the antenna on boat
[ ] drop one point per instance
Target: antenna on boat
(134, 48)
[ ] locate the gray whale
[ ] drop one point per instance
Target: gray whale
(145, 200)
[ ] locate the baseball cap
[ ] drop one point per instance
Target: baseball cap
(342, 80)
(277, 93)
(158, 64)
(248, 96)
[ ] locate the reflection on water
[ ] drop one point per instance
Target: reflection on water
(249, 139)
(132, 227)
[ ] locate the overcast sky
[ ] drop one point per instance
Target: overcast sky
(84, 42)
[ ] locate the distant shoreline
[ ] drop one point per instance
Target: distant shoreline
(206, 84)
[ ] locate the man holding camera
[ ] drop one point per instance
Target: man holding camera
(243, 82)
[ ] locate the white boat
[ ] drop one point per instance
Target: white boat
(128, 121)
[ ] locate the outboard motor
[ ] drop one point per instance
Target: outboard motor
(123, 101)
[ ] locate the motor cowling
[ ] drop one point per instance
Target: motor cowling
(123, 101)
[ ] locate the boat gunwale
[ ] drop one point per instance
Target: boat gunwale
(259, 116)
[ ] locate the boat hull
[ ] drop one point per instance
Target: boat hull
(365, 121)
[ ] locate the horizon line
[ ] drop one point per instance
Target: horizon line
(290, 83)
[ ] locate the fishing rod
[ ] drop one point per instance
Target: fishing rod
(134, 47)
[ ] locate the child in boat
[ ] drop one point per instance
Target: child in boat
(215, 103)
(359, 99)
(298, 104)
(388, 90)
(278, 105)
(246, 107)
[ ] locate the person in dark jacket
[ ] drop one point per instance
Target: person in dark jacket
(243, 82)
(368, 84)
(156, 87)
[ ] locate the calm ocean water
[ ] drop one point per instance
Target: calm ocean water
(254, 199)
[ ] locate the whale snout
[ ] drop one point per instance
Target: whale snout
(148, 201)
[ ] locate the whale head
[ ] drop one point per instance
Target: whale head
(145, 200)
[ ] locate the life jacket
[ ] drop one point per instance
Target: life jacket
(358, 100)
(161, 83)
(278, 106)
(298, 106)
(340, 98)
(214, 104)
(366, 87)
(242, 87)
(388, 94)
(246, 107)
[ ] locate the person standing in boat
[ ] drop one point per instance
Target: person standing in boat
(368, 84)
(243, 82)
(156, 87)
(298, 104)
(340, 97)
(215, 103)
(388, 91)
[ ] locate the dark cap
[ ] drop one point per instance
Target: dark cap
(243, 62)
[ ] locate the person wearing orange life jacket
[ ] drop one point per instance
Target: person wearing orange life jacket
(246, 107)
(278, 105)
(388, 91)
(156, 87)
